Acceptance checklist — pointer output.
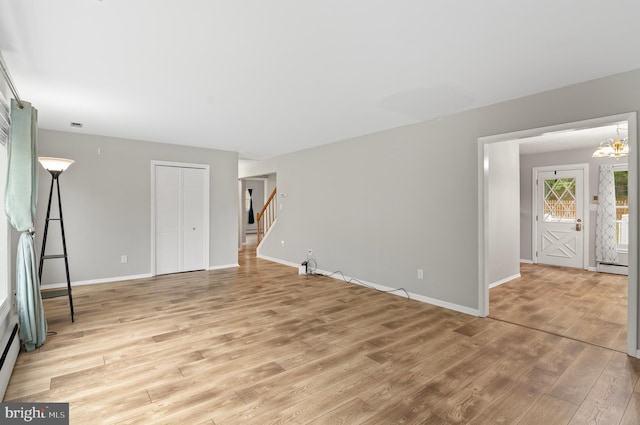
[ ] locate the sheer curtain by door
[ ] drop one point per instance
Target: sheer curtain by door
(606, 243)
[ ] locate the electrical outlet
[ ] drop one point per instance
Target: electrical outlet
(310, 253)
(420, 274)
(282, 243)
(124, 259)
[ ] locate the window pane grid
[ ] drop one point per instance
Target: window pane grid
(559, 200)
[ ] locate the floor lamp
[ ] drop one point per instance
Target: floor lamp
(55, 166)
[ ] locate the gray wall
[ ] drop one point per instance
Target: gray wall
(107, 204)
(576, 156)
(503, 215)
(422, 209)
(271, 184)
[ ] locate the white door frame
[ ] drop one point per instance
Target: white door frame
(483, 191)
(206, 192)
(585, 208)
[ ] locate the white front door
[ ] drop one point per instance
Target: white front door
(180, 219)
(560, 217)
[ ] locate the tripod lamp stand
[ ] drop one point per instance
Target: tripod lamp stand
(55, 166)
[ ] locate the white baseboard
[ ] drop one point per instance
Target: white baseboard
(591, 269)
(224, 266)
(417, 297)
(505, 280)
(525, 261)
(120, 278)
(279, 261)
(95, 281)
(445, 304)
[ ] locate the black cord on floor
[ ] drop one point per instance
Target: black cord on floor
(312, 266)
(353, 280)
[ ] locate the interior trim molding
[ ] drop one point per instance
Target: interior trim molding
(224, 266)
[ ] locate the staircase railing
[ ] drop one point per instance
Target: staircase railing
(266, 216)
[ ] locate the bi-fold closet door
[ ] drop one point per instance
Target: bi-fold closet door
(181, 218)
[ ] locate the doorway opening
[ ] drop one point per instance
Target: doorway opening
(488, 232)
(252, 193)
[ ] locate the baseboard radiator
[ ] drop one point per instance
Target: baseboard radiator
(612, 268)
(8, 359)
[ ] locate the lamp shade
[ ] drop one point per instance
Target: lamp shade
(55, 164)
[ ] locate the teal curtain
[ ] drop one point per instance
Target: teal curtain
(20, 208)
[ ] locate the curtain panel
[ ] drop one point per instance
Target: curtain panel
(606, 241)
(20, 209)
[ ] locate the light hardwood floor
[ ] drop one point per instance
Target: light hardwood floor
(583, 305)
(262, 345)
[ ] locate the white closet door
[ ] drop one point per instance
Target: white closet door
(180, 214)
(167, 220)
(193, 219)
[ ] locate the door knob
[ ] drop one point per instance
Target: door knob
(578, 225)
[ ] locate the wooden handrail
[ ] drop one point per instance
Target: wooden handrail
(267, 202)
(266, 216)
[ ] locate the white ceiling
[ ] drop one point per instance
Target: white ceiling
(269, 77)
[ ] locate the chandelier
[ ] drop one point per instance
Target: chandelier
(612, 148)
